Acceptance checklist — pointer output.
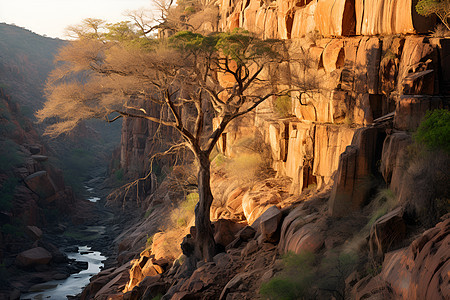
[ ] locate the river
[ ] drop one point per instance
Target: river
(75, 283)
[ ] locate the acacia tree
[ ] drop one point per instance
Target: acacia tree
(440, 8)
(189, 77)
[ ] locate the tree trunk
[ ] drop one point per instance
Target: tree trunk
(205, 245)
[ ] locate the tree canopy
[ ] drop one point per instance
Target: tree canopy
(110, 70)
(441, 8)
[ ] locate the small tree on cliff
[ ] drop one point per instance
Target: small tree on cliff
(440, 8)
(187, 77)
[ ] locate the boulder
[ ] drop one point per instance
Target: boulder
(225, 231)
(234, 201)
(34, 232)
(246, 233)
(298, 238)
(250, 248)
(39, 158)
(270, 223)
(41, 184)
(387, 232)
(32, 257)
(35, 149)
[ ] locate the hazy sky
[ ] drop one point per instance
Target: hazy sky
(51, 17)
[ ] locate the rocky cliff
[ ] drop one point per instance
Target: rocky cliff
(344, 179)
(294, 19)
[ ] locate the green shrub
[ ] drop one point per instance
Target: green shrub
(334, 269)
(279, 288)
(434, 130)
(295, 280)
(283, 106)
(440, 8)
(183, 214)
(149, 241)
(383, 202)
(157, 297)
(13, 230)
(119, 174)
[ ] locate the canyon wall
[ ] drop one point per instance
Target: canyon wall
(288, 19)
(350, 90)
(356, 99)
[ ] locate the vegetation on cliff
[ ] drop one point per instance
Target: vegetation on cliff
(188, 78)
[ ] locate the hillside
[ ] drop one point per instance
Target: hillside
(26, 59)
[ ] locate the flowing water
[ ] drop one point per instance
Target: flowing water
(74, 284)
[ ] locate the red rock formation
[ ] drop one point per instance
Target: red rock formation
(419, 271)
(289, 19)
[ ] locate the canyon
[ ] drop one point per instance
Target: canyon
(323, 193)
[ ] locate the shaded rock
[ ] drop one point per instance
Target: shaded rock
(34, 232)
(269, 224)
(35, 256)
(155, 289)
(225, 231)
(352, 183)
(35, 149)
(222, 260)
(40, 183)
(419, 271)
(418, 55)
(410, 110)
(39, 158)
(394, 147)
(387, 232)
(246, 233)
(234, 283)
(250, 248)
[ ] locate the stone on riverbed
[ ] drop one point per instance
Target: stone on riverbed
(35, 256)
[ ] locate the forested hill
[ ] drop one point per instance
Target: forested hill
(26, 58)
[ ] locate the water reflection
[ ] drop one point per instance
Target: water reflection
(73, 285)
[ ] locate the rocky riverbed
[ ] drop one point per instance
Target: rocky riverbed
(64, 255)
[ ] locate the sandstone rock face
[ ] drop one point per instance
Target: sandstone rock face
(410, 110)
(330, 142)
(392, 160)
(360, 79)
(141, 138)
(35, 256)
(289, 19)
(417, 272)
(392, 145)
(353, 176)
